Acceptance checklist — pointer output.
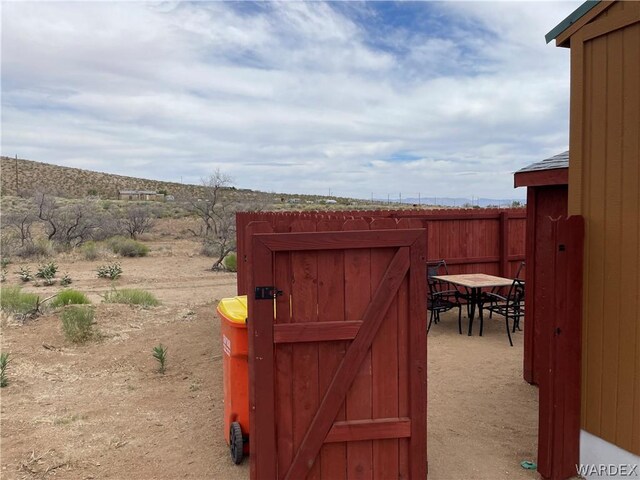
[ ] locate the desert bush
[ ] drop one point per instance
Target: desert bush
(132, 296)
(68, 224)
(231, 262)
(40, 247)
(65, 280)
(111, 271)
(127, 247)
(14, 300)
(90, 250)
(3, 274)
(136, 220)
(4, 362)
(47, 270)
(47, 273)
(24, 273)
(77, 323)
(160, 354)
(69, 297)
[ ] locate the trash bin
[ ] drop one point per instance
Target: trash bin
(235, 372)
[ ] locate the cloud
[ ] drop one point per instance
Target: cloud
(445, 99)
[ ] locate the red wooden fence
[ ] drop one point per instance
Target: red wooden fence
(338, 371)
(558, 330)
(490, 241)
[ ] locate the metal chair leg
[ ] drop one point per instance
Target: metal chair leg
(506, 319)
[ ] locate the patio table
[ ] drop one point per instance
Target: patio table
(474, 283)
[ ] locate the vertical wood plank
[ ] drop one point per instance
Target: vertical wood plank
(304, 308)
(504, 244)
(404, 333)
(628, 420)
(612, 235)
(595, 161)
(331, 307)
(545, 300)
(261, 375)
(284, 362)
(384, 358)
(357, 270)
(418, 358)
(528, 360)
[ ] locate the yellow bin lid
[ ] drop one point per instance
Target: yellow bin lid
(234, 309)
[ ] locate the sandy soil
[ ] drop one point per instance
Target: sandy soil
(102, 411)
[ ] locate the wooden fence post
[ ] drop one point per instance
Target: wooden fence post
(504, 244)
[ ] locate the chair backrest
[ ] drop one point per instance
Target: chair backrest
(516, 292)
(437, 267)
(519, 271)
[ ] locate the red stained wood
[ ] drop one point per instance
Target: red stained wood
(350, 366)
(387, 312)
(418, 358)
(384, 363)
(316, 332)
(376, 429)
(305, 366)
(331, 307)
(557, 176)
(358, 286)
(261, 377)
(469, 240)
(560, 347)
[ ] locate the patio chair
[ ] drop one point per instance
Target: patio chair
(440, 298)
(511, 306)
(451, 292)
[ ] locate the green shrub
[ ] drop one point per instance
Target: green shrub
(127, 247)
(231, 262)
(4, 361)
(112, 271)
(160, 354)
(90, 250)
(65, 280)
(47, 271)
(25, 274)
(77, 323)
(14, 300)
(69, 297)
(132, 296)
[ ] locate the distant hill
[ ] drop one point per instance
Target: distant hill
(21, 177)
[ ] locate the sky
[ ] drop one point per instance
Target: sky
(353, 99)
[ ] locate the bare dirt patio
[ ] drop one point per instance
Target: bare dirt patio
(101, 410)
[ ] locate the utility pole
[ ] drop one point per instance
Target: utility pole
(400, 197)
(17, 175)
(419, 200)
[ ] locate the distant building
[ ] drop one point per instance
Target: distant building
(141, 195)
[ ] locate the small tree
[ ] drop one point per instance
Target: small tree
(216, 212)
(136, 220)
(70, 225)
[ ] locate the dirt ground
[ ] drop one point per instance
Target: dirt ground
(102, 411)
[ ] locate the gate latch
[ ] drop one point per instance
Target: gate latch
(267, 293)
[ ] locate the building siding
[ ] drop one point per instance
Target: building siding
(604, 187)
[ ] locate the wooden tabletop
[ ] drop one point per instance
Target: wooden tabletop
(475, 280)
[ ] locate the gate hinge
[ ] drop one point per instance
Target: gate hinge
(267, 293)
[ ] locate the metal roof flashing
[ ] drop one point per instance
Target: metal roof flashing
(576, 15)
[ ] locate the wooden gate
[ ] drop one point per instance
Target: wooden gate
(559, 301)
(337, 361)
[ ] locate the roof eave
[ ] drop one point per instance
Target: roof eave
(541, 178)
(576, 15)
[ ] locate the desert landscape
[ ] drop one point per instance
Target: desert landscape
(102, 410)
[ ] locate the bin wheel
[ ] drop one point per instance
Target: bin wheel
(236, 443)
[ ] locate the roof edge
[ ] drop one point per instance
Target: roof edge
(576, 15)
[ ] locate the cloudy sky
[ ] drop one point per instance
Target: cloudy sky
(430, 98)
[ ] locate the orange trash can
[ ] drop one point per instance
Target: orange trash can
(235, 373)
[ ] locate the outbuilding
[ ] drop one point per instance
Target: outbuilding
(547, 195)
(603, 188)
